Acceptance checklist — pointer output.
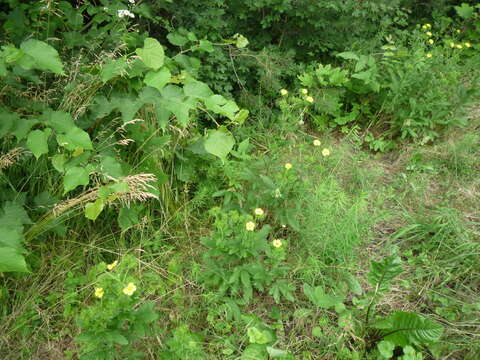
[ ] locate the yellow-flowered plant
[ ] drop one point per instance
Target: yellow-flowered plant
(317, 142)
(250, 226)
(304, 91)
(326, 152)
(288, 166)
(309, 99)
(99, 292)
(284, 92)
(129, 289)
(112, 265)
(429, 55)
(277, 243)
(259, 212)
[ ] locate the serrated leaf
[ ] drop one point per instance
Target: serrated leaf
(45, 56)
(405, 328)
(113, 69)
(317, 296)
(75, 176)
(158, 79)
(348, 55)
(93, 209)
(37, 142)
(198, 90)
(60, 121)
(381, 273)
(177, 39)
(465, 11)
(128, 217)
(219, 143)
(151, 54)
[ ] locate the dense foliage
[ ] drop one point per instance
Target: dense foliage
(168, 178)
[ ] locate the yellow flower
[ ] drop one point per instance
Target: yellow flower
(429, 55)
(259, 211)
(428, 26)
(283, 92)
(458, 31)
(452, 44)
(250, 226)
(129, 289)
(467, 44)
(429, 33)
(459, 46)
(304, 91)
(430, 41)
(288, 166)
(278, 194)
(99, 292)
(424, 27)
(316, 142)
(309, 99)
(277, 243)
(112, 265)
(326, 152)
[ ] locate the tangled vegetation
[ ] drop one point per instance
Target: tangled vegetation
(226, 179)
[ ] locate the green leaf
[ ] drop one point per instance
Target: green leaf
(385, 348)
(257, 336)
(405, 328)
(7, 122)
(255, 352)
(128, 217)
(12, 260)
(198, 90)
(317, 296)
(151, 54)
(74, 139)
(146, 313)
(384, 271)
(93, 209)
(45, 56)
(348, 55)
(465, 11)
(60, 121)
(75, 176)
(222, 106)
(37, 142)
(177, 39)
(158, 79)
(276, 353)
(240, 41)
(219, 143)
(58, 162)
(113, 69)
(241, 116)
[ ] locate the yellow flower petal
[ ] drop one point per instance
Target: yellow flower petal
(99, 292)
(259, 211)
(250, 226)
(316, 142)
(326, 152)
(277, 243)
(129, 289)
(288, 166)
(112, 265)
(283, 92)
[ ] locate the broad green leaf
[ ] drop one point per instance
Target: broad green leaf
(109, 166)
(113, 69)
(177, 39)
(257, 336)
(128, 217)
(348, 55)
(58, 162)
(75, 138)
(151, 54)
(255, 352)
(11, 260)
(317, 296)
(93, 209)
(21, 128)
(45, 56)
(219, 143)
(197, 89)
(60, 121)
(385, 348)
(75, 176)
(407, 328)
(384, 271)
(241, 116)
(276, 353)
(222, 106)
(158, 79)
(37, 142)
(8, 120)
(146, 313)
(465, 11)
(240, 41)
(3, 68)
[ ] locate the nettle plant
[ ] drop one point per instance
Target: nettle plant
(115, 316)
(142, 102)
(241, 258)
(400, 331)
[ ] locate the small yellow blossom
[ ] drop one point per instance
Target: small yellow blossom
(112, 265)
(458, 31)
(459, 46)
(429, 55)
(316, 142)
(452, 44)
(283, 92)
(129, 289)
(277, 243)
(326, 152)
(428, 26)
(430, 41)
(259, 211)
(424, 27)
(250, 226)
(304, 91)
(99, 292)
(278, 194)
(309, 99)
(288, 166)
(429, 33)
(467, 44)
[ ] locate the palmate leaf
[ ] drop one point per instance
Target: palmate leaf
(404, 328)
(384, 271)
(44, 56)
